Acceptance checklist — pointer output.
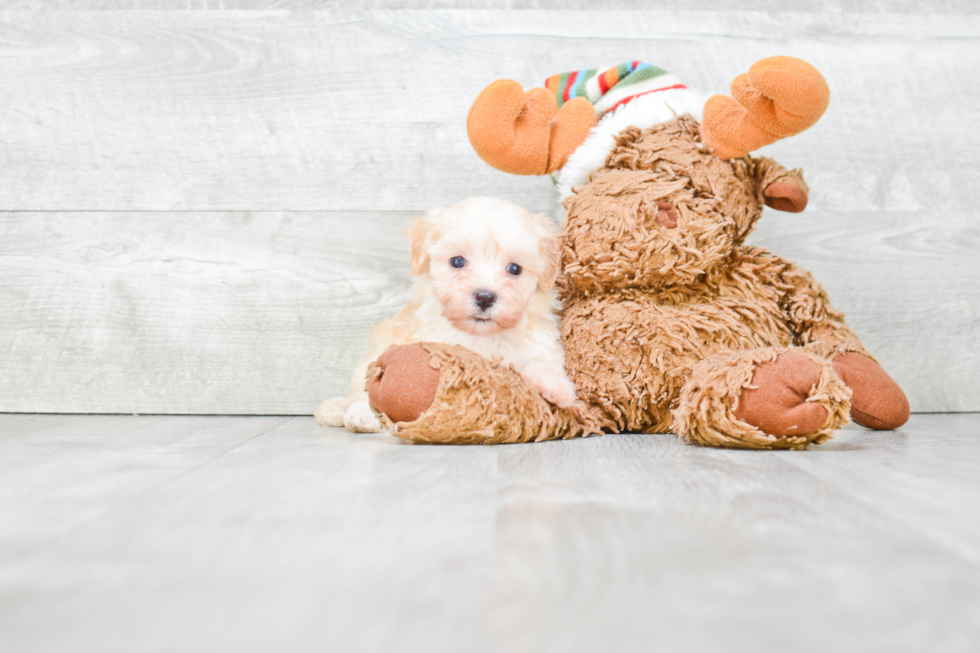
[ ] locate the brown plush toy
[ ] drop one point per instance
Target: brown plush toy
(670, 322)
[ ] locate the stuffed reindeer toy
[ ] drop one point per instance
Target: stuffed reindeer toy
(670, 322)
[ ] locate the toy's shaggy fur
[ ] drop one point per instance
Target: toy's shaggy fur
(647, 306)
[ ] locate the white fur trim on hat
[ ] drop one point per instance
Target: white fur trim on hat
(644, 111)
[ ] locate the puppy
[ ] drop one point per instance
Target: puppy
(486, 272)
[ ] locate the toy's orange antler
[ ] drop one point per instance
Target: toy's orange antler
(778, 97)
(524, 133)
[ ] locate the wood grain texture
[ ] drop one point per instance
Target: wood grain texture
(364, 110)
(201, 209)
(267, 313)
(254, 313)
(251, 534)
(53, 486)
(956, 7)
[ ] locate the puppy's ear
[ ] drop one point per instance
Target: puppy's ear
(421, 233)
(550, 251)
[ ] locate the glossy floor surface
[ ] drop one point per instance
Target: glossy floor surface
(142, 533)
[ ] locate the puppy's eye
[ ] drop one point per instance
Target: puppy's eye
(457, 262)
(514, 269)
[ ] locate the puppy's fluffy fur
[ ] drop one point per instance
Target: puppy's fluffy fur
(486, 273)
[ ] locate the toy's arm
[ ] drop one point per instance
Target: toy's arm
(816, 324)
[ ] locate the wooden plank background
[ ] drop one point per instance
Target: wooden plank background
(200, 211)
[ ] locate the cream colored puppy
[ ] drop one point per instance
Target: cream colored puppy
(486, 272)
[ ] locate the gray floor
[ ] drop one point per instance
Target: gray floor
(135, 533)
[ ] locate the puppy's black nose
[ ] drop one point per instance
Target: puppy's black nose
(484, 299)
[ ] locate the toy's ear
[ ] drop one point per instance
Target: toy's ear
(525, 133)
(421, 233)
(778, 97)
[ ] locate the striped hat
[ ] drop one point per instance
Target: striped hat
(611, 88)
(632, 94)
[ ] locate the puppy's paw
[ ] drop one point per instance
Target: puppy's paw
(331, 412)
(551, 384)
(558, 390)
(359, 418)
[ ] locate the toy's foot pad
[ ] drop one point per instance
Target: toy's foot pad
(776, 402)
(877, 402)
(403, 384)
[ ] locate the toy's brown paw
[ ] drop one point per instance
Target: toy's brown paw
(776, 402)
(877, 401)
(403, 385)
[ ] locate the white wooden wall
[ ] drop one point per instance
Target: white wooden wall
(201, 205)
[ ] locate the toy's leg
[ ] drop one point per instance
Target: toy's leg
(762, 399)
(877, 402)
(448, 394)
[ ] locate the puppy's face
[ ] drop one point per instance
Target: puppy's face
(486, 257)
